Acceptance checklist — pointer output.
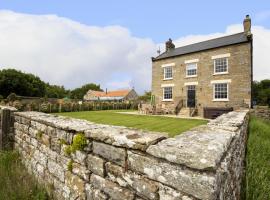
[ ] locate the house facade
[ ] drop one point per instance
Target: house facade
(116, 95)
(207, 77)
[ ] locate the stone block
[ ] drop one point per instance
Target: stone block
(93, 194)
(39, 126)
(199, 184)
(55, 145)
(167, 193)
(79, 157)
(56, 170)
(109, 152)
(110, 188)
(95, 165)
(143, 186)
(64, 135)
(124, 137)
(201, 148)
(76, 184)
(81, 171)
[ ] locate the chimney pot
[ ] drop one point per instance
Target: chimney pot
(247, 26)
(169, 45)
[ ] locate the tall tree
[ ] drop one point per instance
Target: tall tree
(78, 93)
(261, 92)
(14, 81)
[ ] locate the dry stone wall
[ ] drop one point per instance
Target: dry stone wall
(125, 164)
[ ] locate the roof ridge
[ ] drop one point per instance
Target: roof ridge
(211, 39)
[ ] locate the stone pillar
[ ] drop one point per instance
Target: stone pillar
(5, 129)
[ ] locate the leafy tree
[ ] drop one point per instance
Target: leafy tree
(55, 91)
(78, 93)
(146, 96)
(261, 92)
(23, 84)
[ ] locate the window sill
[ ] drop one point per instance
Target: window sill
(221, 73)
(166, 79)
(167, 100)
(220, 100)
(193, 76)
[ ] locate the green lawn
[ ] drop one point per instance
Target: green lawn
(257, 183)
(171, 126)
(15, 182)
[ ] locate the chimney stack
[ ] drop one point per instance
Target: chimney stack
(247, 26)
(106, 91)
(169, 45)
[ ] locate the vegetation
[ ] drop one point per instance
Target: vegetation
(261, 92)
(146, 96)
(25, 84)
(78, 93)
(15, 182)
(257, 183)
(79, 142)
(13, 81)
(172, 126)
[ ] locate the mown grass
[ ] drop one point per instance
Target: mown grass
(257, 182)
(15, 182)
(171, 126)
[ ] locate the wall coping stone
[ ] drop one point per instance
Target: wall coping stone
(8, 107)
(203, 147)
(115, 135)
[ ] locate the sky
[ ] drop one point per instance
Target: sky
(111, 43)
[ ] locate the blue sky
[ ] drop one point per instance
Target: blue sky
(111, 43)
(153, 19)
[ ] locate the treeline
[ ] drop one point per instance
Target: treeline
(261, 92)
(26, 84)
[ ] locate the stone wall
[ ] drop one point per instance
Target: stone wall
(261, 112)
(125, 164)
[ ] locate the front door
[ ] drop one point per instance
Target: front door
(191, 94)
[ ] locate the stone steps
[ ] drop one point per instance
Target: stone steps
(184, 112)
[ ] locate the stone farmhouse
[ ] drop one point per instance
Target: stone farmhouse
(116, 95)
(206, 78)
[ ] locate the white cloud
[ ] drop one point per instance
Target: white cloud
(68, 53)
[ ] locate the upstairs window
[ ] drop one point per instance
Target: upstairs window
(191, 70)
(168, 73)
(221, 91)
(167, 93)
(221, 66)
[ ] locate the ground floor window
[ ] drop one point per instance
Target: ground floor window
(221, 91)
(167, 93)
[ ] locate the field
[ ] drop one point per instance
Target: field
(257, 183)
(15, 182)
(170, 126)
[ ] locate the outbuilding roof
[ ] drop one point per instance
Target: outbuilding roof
(209, 44)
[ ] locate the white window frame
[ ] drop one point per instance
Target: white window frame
(164, 93)
(164, 73)
(214, 91)
(227, 62)
(195, 75)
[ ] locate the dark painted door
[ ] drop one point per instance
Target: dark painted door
(191, 96)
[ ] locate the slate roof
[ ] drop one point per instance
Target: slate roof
(209, 44)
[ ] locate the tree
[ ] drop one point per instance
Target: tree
(55, 91)
(78, 93)
(23, 84)
(261, 92)
(146, 96)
